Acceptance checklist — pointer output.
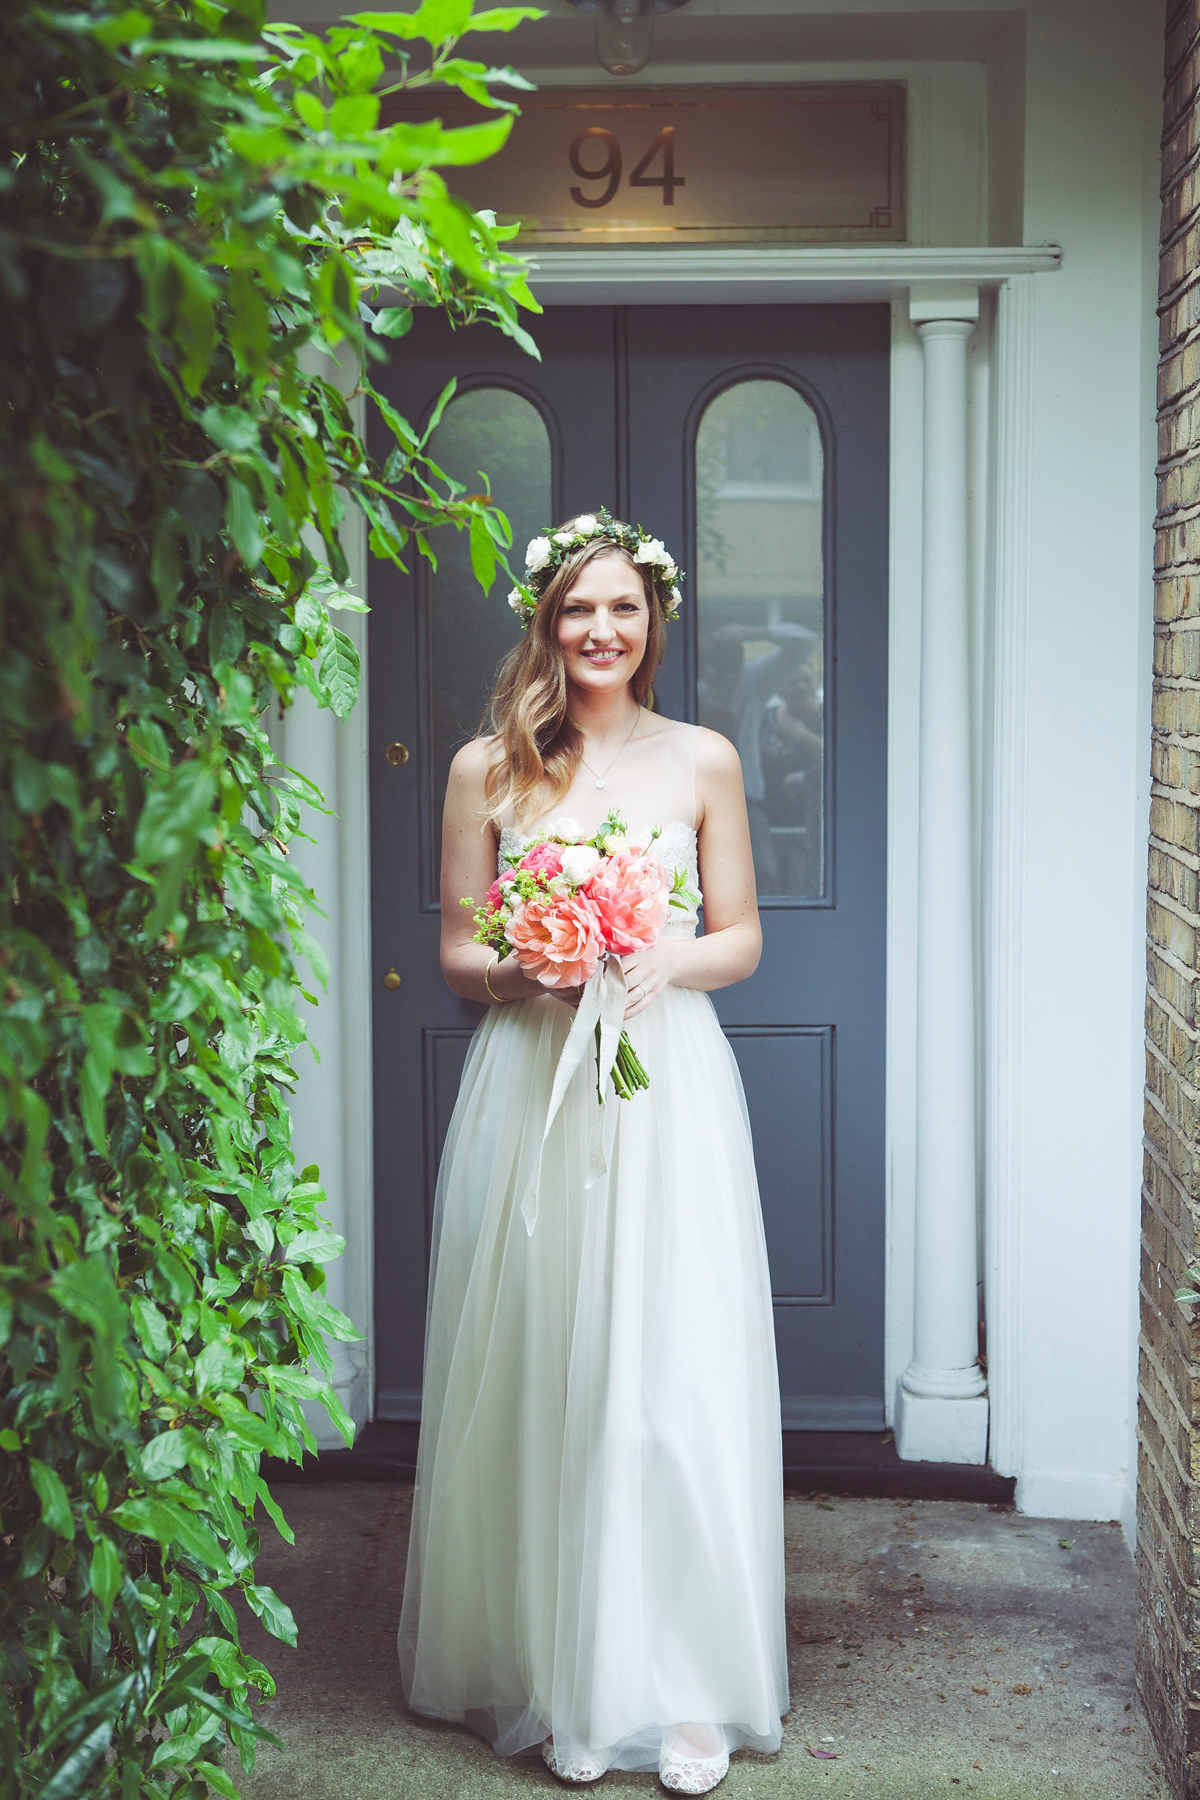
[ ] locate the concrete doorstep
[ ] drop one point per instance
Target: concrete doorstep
(937, 1647)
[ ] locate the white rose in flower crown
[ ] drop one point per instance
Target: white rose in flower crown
(676, 598)
(669, 571)
(652, 551)
(537, 554)
(586, 526)
(568, 829)
(579, 862)
(516, 600)
(614, 842)
(563, 537)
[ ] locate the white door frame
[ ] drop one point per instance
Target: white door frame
(1001, 425)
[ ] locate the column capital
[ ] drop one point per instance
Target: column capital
(943, 300)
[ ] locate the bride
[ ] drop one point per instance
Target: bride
(596, 1562)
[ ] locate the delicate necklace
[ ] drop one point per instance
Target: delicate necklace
(587, 765)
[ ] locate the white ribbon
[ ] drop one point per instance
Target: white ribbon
(602, 1002)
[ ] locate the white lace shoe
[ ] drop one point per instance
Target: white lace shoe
(690, 1774)
(578, 1768)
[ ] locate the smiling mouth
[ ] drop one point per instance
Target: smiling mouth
(603, 655)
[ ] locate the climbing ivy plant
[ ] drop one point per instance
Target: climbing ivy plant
(197, 212)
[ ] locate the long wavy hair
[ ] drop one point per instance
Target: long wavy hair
(538, 747)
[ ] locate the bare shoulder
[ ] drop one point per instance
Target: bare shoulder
(471, 763)
(716, 758)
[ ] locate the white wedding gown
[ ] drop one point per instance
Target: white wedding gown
(597, 1535)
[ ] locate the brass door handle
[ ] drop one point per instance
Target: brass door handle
(391, 979)
(396, 754)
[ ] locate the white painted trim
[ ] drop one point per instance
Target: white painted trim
(331, 1109)
(726, 274)
(1004, 889)
(700, 276)
(904, 742)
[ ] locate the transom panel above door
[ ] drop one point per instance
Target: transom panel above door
(753, 441)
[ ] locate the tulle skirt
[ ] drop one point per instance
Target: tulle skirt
(597, 1540)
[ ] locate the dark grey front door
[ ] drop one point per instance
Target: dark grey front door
(753, 441)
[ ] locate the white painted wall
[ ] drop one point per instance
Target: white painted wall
(1076, 960)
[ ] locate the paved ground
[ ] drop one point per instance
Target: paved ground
(937, 1648)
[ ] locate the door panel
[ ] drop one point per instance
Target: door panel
(753, 441)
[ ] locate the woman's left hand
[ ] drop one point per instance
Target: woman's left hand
(647, 973)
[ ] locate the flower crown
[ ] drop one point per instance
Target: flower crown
(544, 554)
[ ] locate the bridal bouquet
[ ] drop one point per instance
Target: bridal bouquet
(568, 902)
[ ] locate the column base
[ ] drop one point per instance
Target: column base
(940, 1430)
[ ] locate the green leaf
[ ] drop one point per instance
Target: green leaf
(55, 1502)
(504, 18)
(204, 50)
(339, 672)
(274, 1613)
(150, 1326)
(314, 1246)
(218, 1780)
(218, 1365)
(483, 554)
(164, 1455)
(244, 523)
(354, 115)
(106, 1572)
(392, 321)
(87, 1291)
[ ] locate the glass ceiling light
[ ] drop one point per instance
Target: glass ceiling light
(625, 31)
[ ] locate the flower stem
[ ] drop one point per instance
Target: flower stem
(628, 1072)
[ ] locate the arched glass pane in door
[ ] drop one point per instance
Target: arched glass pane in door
(502, 433)
(760, 596)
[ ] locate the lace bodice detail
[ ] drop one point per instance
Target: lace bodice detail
(676, 848)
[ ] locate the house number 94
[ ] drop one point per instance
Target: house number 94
(609, 171)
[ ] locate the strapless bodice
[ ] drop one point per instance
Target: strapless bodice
(675, 847)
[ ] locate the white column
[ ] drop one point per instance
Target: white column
(942, 1411)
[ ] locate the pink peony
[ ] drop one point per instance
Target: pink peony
(630, 897)
(558, 942)
(499, 889)
(543, 859)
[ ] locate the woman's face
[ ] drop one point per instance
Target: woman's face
(602, 625)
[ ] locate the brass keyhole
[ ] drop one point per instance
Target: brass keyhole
(396, 754)
(391, 979)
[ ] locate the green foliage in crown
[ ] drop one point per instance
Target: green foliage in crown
(197, 216)
(548, 551)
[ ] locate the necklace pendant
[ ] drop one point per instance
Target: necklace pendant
(599, 784)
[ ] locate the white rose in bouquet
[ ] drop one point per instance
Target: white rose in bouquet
(615, 841)
(568, 829)
(537, 554)
(579, 862)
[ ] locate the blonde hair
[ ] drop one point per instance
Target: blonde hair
(527, 713)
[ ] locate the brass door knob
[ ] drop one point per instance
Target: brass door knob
(391, 979)
(396, 754)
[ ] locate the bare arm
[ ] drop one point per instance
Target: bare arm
(732, 941)
(469, 848)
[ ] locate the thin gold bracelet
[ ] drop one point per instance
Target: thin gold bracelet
(501, 998)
